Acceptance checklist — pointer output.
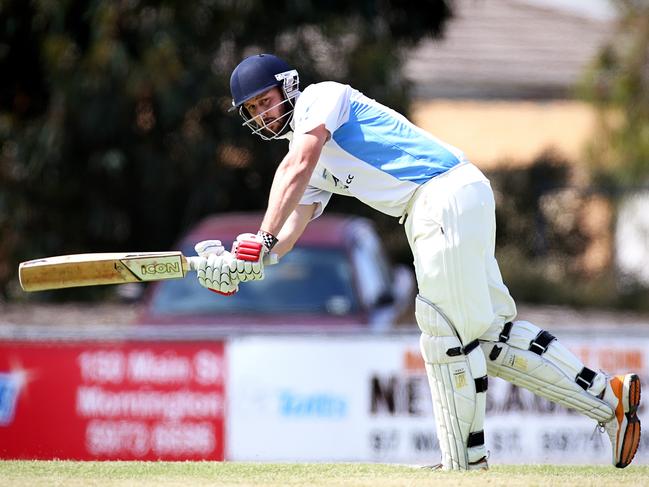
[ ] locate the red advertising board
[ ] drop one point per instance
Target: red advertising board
(108, 401)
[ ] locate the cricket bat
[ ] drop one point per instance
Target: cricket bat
(106, 268)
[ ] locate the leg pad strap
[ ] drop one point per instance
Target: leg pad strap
(476, 439)
(481, 384)
(585, 378)
(541, 343)
(455, 351)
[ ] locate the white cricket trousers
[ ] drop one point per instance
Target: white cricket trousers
(451, 229)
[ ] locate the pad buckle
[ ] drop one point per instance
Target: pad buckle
(541, 343)
(585, 378)
(455, 351)
(504, 334)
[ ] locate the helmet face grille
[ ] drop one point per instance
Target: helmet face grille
(257, 125)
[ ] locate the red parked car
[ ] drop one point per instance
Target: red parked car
(336, 275)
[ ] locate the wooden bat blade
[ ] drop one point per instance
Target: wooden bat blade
(99, 269)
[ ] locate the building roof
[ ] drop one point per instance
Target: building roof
(508, 49)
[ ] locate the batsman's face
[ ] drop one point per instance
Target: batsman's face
(268, 109)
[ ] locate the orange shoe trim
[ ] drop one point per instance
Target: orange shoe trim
(631, 439)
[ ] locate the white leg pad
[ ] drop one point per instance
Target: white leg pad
(535, 360)
(459, 400)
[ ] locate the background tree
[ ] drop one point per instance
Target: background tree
(114, 131)
(618, 85)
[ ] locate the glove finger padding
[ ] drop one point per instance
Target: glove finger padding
(201, 271)
(223, 276)
(216, 273)
(249, 271)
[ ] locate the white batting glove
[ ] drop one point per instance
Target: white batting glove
(249, 250)
(217, 268)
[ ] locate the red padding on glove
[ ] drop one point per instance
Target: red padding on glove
(250, 251)
(221, 293)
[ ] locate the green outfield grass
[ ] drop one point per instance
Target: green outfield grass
(65, 473)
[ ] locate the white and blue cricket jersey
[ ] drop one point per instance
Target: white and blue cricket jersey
(375, 154)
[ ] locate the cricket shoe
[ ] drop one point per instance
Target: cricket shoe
(623, 392)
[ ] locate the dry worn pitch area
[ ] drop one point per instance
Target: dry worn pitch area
(72, 474)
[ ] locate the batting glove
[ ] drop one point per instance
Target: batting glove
(217, 268)
(249, 250)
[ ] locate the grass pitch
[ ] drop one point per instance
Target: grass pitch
(117, 474)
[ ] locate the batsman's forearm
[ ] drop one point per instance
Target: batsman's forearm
(289, 184)
(292, 177)
(293, 229)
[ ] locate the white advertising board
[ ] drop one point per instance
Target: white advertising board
(367, 399)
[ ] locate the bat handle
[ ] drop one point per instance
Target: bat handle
(194, 261)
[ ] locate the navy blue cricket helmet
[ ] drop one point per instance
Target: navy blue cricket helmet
(257, 74)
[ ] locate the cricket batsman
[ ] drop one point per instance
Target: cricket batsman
(342, 142)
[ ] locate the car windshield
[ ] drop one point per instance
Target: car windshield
(307, 280)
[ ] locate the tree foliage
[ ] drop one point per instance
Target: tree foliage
(114, 129)
(618, 85)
